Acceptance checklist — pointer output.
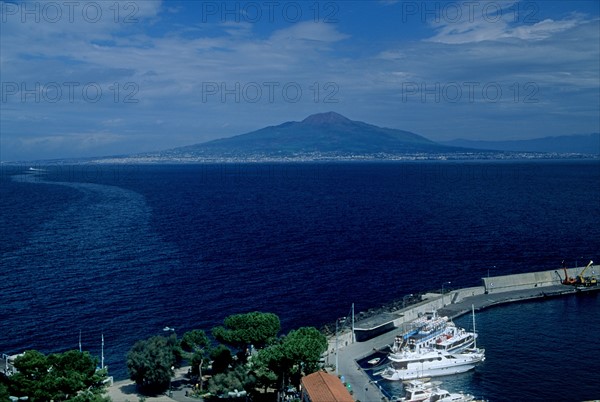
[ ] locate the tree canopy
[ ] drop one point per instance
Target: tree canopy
(150, 363)
(58, 377)
(304, 347)
(237, 379)
(267, 366)
(255, 328)
(196, 349)
(195, 341)
(296, 353)
(221, 359)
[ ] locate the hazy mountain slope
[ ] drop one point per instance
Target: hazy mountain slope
(586, 143)
(325, 132)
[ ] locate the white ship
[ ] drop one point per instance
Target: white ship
(455, 339)
(424, 391)
(443, 335)
(408, 365)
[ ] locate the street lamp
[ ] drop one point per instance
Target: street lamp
(336, 342)
(170, 379)
(445, 283)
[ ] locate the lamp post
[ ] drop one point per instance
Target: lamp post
(170, 379)
(445, 283)
(336, 344)
(494, 267)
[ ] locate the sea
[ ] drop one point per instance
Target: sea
(120, 252)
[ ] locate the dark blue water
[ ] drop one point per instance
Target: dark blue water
(127, 250)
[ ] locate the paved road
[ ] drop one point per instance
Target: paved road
(364, 390)
(483, 301)
(126, 390)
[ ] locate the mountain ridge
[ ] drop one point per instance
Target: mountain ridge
(575, 143)
(328, 132)
(332, 136)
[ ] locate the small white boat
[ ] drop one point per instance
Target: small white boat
(374, 361)
(424, 391)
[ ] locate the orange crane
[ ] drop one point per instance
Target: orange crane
(567, 280)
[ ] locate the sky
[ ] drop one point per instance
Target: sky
(92, 78)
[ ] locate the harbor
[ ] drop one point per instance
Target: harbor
(372, 337)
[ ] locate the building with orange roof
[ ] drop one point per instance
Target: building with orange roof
(324, 387)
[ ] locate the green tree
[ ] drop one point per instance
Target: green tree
(297, 353)
(304, 347)
(241, 330)
(267, 366)
(32, 369)
(302, 350)
(196, 347)
(221, 359)
(237, 379)
(150, 363)
(86, 396)
(4, 393)
(58, 377)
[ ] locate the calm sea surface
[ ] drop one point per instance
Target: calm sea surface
(127, 250)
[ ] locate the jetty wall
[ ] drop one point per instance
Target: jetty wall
(435, 301)
(530, 280)
(490, 285)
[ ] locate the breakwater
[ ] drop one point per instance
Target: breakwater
(493, 290)
(378, 330)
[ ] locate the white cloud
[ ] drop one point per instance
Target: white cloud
(477, 25)
(309, 31)
(170, 67)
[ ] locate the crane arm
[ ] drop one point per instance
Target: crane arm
(567, 280)
(585, 269)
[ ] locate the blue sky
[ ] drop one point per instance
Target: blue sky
(92, 78)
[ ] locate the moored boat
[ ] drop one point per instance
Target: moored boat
(423, 333)
(424, 391)
(455, 339)
(409, 365)
(447, 337)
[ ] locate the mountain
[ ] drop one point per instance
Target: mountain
(329, 136)
(582, 144)
(328, 133)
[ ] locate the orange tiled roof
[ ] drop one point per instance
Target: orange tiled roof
(324, 387)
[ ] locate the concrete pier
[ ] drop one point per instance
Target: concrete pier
(493, 291)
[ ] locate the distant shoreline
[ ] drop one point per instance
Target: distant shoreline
(150, 159)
